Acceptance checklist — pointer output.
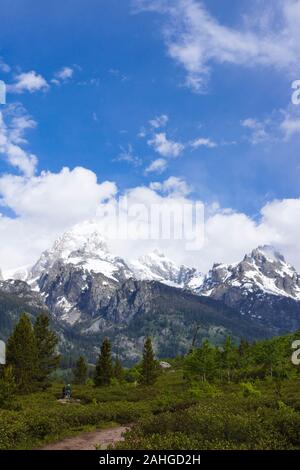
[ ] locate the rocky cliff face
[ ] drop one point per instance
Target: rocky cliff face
(84, 248)
(78, 276)
(133, 310)
(172, 317)
(90, 293)
(22, 291)
(16, 297)
(263, 286)
(74, 294)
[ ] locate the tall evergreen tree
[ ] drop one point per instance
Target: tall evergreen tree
(46, 342)
(202, 362)
(229, 357)
(104, 367)
(118, 369)
(149, 364)
(7, 387)
(80, 371)
(267, 353)
(22, 354)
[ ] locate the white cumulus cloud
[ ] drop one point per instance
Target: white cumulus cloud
(166, 147)
(28, 81)
(46, 205)
(157, 166)
(65, 73)
(172, 185)
(203, 142)
(12, 137)
(159, 121)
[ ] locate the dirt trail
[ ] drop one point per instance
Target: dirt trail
(89, 440)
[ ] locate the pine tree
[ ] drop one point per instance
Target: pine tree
(7, 387)
(46, 342)
(118, 369)
(104, 368)
(22, 355)
(268, 355)
(149, 364)
(229, 357)
(202, 363)
(80, 371)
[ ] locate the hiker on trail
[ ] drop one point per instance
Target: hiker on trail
(68, 391)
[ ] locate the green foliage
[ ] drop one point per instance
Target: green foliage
(249, 390)
(229, 357)
(118, 371)
(104, 367)
(133, 374)
(231, 363)
(201, 363)
(42, 418)
(80, 371)
(31, 352)
(230, 421)
(7, 387)
(46, 343)
(149, 367)
(205, 389)
(231, 400)
(22, 355)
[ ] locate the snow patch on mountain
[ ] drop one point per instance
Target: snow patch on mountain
(264, 269)
(19, 274)
(83, 246)
(157, 267)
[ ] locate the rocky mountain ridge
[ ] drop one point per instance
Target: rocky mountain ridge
(90, 292)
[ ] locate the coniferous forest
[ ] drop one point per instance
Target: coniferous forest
(235, 396)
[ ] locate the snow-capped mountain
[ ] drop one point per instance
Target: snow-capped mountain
(83, 247)
(157, 267)
(264, 269)
(263, 286)
(78, 277)
(90, 292)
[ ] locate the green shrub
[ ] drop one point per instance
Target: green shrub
(248, 390)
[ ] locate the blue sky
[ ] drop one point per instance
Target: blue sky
(124, 84)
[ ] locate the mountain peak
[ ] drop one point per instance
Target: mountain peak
(263, 270)
(268, 252)
(84, 247)
(158, 267)
(85, 237)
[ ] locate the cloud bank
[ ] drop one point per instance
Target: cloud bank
(44, 206)
(196, 40)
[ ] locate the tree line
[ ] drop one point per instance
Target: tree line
(32, 356)
(236, 362)
(106, 370)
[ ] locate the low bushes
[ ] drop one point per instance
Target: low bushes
(172, 414)
(40, 418)
(248, 420)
